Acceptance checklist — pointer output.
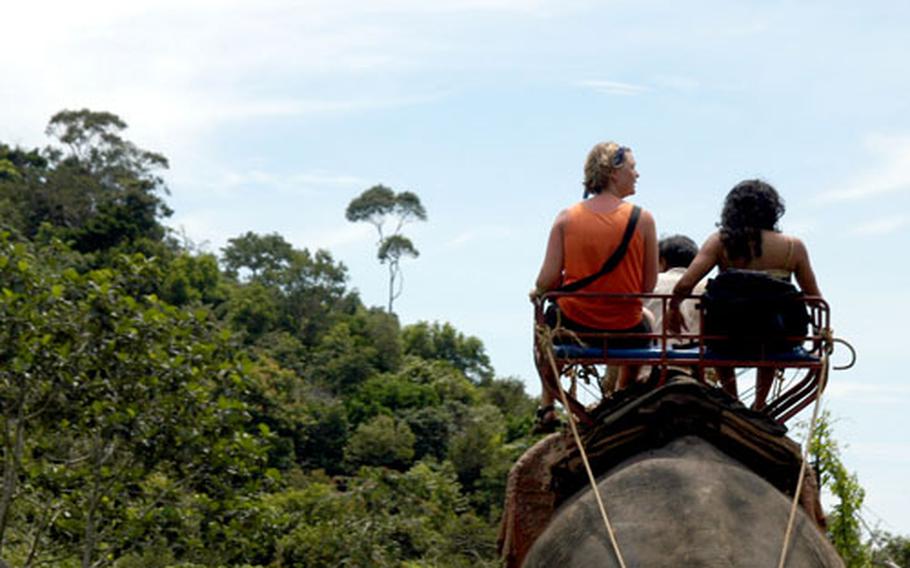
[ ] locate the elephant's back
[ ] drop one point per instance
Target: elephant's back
(685, 504)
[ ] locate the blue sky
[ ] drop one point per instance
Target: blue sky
(275, 114)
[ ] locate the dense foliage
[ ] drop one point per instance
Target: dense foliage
(166, 407)
(859, 544)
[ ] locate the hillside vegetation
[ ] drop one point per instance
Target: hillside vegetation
(168, 407)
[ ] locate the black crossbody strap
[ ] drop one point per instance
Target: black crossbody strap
(614, 259)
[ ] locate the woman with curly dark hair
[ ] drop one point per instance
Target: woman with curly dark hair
(748, 239)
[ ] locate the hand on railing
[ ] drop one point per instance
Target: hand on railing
(675, 322)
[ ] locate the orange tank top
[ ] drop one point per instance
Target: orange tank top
(589, 238)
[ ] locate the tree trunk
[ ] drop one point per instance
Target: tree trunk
(12, 457)
(88, 545)
(391, 285)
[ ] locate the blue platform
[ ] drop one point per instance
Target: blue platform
(654, 354)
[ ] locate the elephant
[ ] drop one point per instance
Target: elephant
(689, 477)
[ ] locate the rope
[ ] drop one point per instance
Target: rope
(846, 344)
(823, 380)
(545, 335)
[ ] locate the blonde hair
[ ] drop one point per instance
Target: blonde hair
(599, 166)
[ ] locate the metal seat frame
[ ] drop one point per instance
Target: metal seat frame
(596, 350)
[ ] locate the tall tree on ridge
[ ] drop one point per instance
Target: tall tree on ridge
(378, 205)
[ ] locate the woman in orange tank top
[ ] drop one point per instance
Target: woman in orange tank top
(585, 235)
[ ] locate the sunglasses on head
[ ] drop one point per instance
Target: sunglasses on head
(619, 157)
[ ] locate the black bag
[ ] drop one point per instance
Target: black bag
(756, 312)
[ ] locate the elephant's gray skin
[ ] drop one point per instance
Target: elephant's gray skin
(684, 505)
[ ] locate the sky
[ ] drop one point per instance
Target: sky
(275, 114)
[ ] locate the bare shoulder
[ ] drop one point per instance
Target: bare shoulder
(647, 217)
(712, 243)
(799, 247)
(646, 224)
(798, 243)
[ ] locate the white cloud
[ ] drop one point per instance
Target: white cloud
(210, 231)
(868, 393)
(342, 235)
(614, 87)
(882, 226)
(307, 180)
(487, 234)
(177, 69)
(893, 452)
(203, 229)
(678, 83)
(801, 226)
(888, 171)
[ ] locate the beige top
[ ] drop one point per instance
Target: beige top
(689, 308)
(782, 273)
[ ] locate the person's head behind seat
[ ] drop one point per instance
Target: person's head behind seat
(677, 251)
(602, 160)
(751, 207)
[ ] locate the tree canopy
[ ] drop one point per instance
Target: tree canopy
(377, 206)
(162, 406)
(94, 190)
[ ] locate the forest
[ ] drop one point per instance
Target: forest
(167, 406)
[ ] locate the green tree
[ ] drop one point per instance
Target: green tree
(509, 396)
(257, 257)
(844, 523)
(310, 425)
(192, 279)
(377, 206)
(253, 310)
(21, 175)
(389, 394)
(112, 406)
(161, 407)
(384, 518)
(283, 289)
(442, 342)
(383, 441)
(94, 189)
(390, 253)
(103, 190)
(473, 446)
(890, 550)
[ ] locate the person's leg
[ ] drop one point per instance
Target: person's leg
(608, 383)
(764, 378)
(627, 375)
(727, 377)
(630, 373)
(546, 399)
(547, 419)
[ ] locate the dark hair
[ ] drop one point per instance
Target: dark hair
(678, 251)
(751, 207)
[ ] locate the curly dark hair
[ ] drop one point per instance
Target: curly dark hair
(751, 207)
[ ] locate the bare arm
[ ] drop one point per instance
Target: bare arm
(650, 268)
(706, 259)
(550, 275)
(805, 276)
